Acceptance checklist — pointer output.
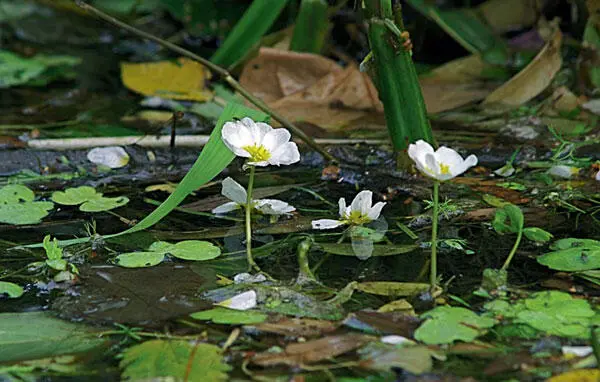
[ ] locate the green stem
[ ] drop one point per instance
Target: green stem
(251, 263)
(512, 251)
(434, 229)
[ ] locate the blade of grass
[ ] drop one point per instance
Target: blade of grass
(212, 160)
(311, 27)
(255, 22)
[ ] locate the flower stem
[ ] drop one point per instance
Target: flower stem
(251, 263)
(512, 251)
(434, 229)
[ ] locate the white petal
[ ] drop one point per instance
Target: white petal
(562, 171)
(395, 340)
(432, 168)
(235, 136)
(226, 208)
(448, 157)
(343, 210)
(375, 211)
(259, 164)
(258, 131)
(273, 207)
(362, 202)
(418, 150)
(285, 154)
(326, 224)
(598, 175)
(112, 156)
(464, 166)
(242, 301)
(276, 138)
(232, 190)
(578, 351)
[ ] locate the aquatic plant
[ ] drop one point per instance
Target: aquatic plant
(360, 211)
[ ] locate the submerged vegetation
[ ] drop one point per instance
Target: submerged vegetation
(252, 190)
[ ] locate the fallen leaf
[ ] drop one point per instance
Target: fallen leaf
(587, 375)
(298, 327)
(534, 78)
(184, 79)
(383, 323)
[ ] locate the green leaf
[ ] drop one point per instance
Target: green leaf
(256, 21)
(103, 204)
(194, 250)
(15, 193)
(53, 250)
(39, 335)
(572, 259)
(591, 36)
(140, 259)
(57, 264)
(180, 360)
(537, 234)
(17, 206)
(392, 288)
(310, 29)
(446, 324)
(574, 243)
(35, 71)
(514, 216)
(11, 289)
(220, 315)
(89, 198)
(344, 249)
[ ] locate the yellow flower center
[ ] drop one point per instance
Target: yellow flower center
(356, 218)
(257, 153)
(444, 169)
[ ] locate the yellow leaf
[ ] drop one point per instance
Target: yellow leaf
(184, 79)
(584, 375)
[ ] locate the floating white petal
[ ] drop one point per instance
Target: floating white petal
(112, 156)
(242, 301)
(237, 194)
(443, 164)
(360, 211)
(563, 171)
(578, 351)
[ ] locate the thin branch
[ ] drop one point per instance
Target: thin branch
(223, 73)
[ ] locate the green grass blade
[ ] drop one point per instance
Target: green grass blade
(213, 159)
(311, 27)
(247, 32)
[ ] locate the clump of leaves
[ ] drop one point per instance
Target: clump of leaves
(17, 206)
(549, 312)
(446, 324)
(55, 261)
(195, 250)
(176, 359)
(89, 198)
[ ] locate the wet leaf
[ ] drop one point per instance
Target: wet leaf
(220, 315)
(103, 204)
(11, 289)
(299, 354)
(383, 323)
(90, 199)
(537, 234)
(140, 259)
(586, 375)
(345, 249)
(446, 324)
(384, 357)
(572, 259)
(391, 288)
(574, 243)
(298, 327)
(17, 206)
(39, 335)
(177, 359)
(515, 218)
(184, 79)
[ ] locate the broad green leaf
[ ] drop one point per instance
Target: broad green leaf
(15, 70)
(574, 243)
(140, 259)
(345, 249)
(537, 234)
(53, 250)
(103, 204)
(11, 289)
(15, 193)
(24, 213)
(572, 259)
(446, 324)
(220, 315)
(74, 196)
(194, 250)
(36, 335)
(514, 216)
(255, 22)
(310, 29)
(391, 288)
(57, 264)
(180, 360)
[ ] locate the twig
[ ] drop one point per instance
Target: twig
(223, 73)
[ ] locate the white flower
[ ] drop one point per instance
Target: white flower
(259, 142)
(360, 212)
(235, 192)
(563, 171)
(577, 351)
(112, 156)
(598, 175)
(442, 164)
(242, 301)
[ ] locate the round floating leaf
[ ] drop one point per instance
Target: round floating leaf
(572, 259)
(195, 250)
(11, 289)
(103, 204)
(75, 196)
(574, 243)
(220, 315)
(15, 193)
(179, 360)
(140, 259)
(161, 246)
(446, 324)
(24, 213)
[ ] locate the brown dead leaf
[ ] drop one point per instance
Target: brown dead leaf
(534, 78)
(299, 354)
(298, 327)
(398, 323)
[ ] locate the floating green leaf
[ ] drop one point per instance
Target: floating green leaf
(446, 324)
(574, 243)
(39, 335)
(186, 250)
(220, 315)
(537, 234)
(140, 259)
(89, 198)
(391, 288)
(17, 206)
(35, 71)
(11, 289)
(180, 360)
(572, 259)
(344, 249)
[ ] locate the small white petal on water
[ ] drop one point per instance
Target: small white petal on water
(112, 156)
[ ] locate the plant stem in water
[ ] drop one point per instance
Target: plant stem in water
(251, 263)
(512, 251)
(434, 229)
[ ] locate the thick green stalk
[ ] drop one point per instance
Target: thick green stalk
(434, 229)
(311, 27)
(255, 22)
(251, 263)
(513, 250)
(396, 77)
